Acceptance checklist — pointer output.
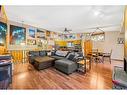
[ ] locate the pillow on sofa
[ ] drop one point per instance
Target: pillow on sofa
(34, 53)
(42, 53)
(61, 53)
(71, 57)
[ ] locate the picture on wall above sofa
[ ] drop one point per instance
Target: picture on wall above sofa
(3, 30)
(32, 33)
(40, 34)
(70, 36)
(31, 42)
(17, 35)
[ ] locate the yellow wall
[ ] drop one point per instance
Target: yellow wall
(64, 43)
(61, 43)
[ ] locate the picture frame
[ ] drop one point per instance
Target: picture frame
(3, 31)
(31, 33)
(17, 35)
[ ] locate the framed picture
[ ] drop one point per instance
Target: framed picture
(17, 35)
(47, 33)
(81, 35)
(31, 42)
(31, 33)
(69, 36)
(120, 41)
(3, 31)
(41, 34)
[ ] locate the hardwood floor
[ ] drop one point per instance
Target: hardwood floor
(99, 77)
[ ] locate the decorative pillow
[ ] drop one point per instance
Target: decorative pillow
(71, 57)
(34, 53)
(42, 53)
(61, 53)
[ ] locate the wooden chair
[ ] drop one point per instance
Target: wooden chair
(107, 55)
(95, 55)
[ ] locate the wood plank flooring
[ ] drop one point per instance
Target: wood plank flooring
(99, 77)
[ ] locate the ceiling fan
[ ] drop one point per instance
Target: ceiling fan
(67, 30)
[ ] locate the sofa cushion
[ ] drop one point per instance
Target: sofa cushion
(34, 53)
(57, 57)
(61, 53)
(53, 53)
(42, 53)
(69, 54)
(71, 57)
(64, 62)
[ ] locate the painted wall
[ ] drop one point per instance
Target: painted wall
(111, 43)
(64, 43)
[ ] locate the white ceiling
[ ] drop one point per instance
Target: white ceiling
(77, 18)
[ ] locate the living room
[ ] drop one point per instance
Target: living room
(52, 50)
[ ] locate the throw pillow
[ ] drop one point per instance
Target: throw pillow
(71, 57)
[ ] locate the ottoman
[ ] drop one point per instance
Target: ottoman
(66, 66)
(43, 62)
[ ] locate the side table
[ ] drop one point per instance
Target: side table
(82, 66)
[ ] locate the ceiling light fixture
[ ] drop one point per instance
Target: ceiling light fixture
(96, 13)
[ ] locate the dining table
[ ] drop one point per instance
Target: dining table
(96, 55)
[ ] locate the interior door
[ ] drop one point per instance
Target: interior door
(87, 46)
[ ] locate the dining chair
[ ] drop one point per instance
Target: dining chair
(107, 55)
(95, 55)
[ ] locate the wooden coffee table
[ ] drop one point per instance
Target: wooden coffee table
(43, 62)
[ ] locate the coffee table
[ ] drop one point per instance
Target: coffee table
(43, 62)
